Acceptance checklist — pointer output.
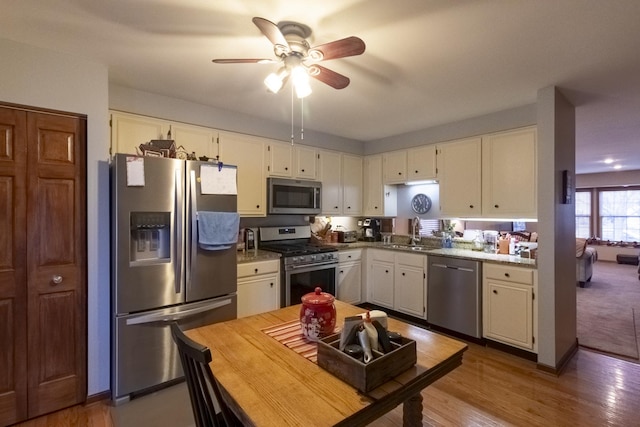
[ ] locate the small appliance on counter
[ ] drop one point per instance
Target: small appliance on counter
(347, 236)
(371, 230)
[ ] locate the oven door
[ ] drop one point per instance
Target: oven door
(300, 280)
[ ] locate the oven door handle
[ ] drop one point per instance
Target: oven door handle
(310, 266)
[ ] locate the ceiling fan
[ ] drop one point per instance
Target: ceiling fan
(299, 60)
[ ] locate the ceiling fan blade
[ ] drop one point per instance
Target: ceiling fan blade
(244, 61)
(349, 46)
(333, 79)
(271, 31)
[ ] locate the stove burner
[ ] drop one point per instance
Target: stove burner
(295, 249)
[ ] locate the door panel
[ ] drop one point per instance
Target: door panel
(13, 275)
(56, 262)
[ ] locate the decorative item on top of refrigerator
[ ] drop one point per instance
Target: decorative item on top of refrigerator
(174, 235)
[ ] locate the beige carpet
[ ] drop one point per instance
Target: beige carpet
(608, 311)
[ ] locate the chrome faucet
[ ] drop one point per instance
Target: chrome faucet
(415, 227)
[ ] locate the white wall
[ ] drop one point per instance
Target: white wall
(41, 78)
(501, 120)
(556, 229)
(150, 104)
(608, 179)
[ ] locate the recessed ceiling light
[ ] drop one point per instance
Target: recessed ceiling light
(617, 167)
(608, 161)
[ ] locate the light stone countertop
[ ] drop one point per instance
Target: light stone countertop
(257, 255)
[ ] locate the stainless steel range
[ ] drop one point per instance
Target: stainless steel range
(304, 266)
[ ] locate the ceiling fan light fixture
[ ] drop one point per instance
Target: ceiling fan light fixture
(300, 80)
(274, 81)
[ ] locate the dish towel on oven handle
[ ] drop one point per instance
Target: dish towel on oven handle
(217, 230)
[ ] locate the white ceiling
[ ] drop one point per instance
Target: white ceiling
(427, 62)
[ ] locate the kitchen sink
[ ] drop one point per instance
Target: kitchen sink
(408, 247)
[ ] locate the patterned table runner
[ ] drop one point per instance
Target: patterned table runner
(290, 334)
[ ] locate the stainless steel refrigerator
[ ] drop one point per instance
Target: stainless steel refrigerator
(159, 272)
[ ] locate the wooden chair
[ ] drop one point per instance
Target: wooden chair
(195, 360)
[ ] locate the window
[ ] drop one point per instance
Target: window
(619, 212)
(583, 214)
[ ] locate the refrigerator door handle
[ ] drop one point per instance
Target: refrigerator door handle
(163, 317)
(193, 204)
(177, 226)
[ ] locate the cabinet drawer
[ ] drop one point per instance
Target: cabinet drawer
(383, 255)
(255, 268)
(510, 274)
(350, 256)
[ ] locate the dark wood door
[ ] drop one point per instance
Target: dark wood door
(13, 274)
(43, 330)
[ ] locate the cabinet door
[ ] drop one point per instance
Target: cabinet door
(395, 167)
(409, 290)
(351, 185)
(508, 313)
(128, 131)
(247, 153)
(509, 178)
(330, 164)
(379, 199)
(257, 295)
(381, 284)
(350, 282)
(280, 159)
(194, 139)
(306, 160)
(459, 172)
(421, 163)
(410, 284)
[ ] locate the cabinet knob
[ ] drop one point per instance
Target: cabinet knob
(348, 207)
(403, 274)
(375, 207)
(271, 284)
(348, 256)
(496, 206)
(302, 170)
(495, 292)
(416, 171)
(471, 206)
(335, 207)
(400, 173)
(386, 271)
(257, 206)
(256, 271)
(341, 271)
(56, 279)
(506, 275)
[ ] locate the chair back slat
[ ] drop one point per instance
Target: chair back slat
(195, 360)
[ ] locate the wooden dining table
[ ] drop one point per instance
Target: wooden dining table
(266, 383)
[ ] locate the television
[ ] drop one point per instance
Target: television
(518, 226)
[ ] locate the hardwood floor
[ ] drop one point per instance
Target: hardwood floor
(490, 388)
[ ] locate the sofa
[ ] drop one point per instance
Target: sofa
(586, 256)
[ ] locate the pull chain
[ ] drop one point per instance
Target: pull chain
(301, 119)
(291, 114)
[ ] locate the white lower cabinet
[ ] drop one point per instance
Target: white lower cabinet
(410, 284)
(258, 287)
(397, 281)
(350, 276)
(509, 306)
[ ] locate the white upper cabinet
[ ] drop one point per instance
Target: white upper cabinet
(330, 167)
(460, 176)
(248, 154)
(421, 163)
(305, 162)
(379, 199)
(509, 177)
(394, 166)
(128, 131)
(280, 159)
(351, 185)
(195, 139)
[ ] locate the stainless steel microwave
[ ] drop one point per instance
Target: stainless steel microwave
(293, 196)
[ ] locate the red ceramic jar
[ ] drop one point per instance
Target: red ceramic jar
(317, 314)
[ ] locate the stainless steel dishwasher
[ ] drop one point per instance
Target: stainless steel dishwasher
(454, 295)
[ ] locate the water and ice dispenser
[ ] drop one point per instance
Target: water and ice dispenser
(150, 236)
